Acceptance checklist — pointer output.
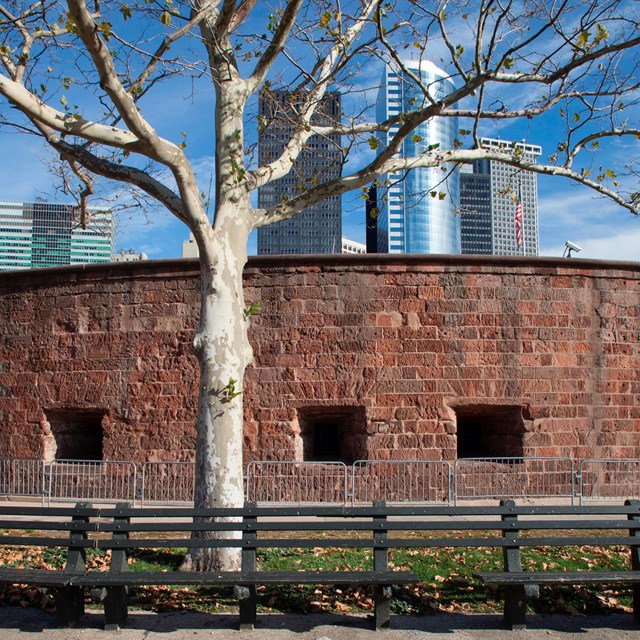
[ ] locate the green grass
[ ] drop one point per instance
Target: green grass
(447, 582)
(156, 559)
(446, 579)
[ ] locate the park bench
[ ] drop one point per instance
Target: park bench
(563, 526)
(55, 527)
(379, 527)
(172, 527)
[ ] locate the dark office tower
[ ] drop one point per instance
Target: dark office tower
(318, 229)
(371, 212)
(499, 203)
(475, 211)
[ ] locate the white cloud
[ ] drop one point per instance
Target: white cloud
(619, 246)
(570, 212)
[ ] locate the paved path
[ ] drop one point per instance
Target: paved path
(33, 624)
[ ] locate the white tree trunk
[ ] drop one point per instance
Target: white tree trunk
(223, 350)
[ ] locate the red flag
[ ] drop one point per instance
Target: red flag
(518, 219)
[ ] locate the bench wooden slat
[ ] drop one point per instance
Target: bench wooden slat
(48, 512)
(37, 577)
(559, 577)
(48, 525)
(364, 526)
(143, 578)
(333, 577)
(538, 541)
(261, 543)
(335, 511)
(140, 578)
(37, 541)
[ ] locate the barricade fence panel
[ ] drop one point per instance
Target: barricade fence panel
(92, 480)
(608, 480)
(394, 481)
(297, 482)
(513, 478)
(22, 477)
(168, 482)
(401, 481)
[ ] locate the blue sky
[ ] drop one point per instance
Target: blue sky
(566, 211)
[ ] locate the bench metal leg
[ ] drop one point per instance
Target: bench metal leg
(635, 592)
(69, 605)
(634, 532)
(515, 607)
(382, 606)
(248, 601)
(115, 608)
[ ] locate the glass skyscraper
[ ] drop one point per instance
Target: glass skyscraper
(317, 229)
(45, 234)
(417, 209)
(489, 194)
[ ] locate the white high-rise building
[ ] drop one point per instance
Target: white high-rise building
(410, 218)
(351, 246)
(46, 234)
(489, 195)
(190, 248)
(130, 255)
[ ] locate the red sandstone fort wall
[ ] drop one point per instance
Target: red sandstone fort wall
(392, 356)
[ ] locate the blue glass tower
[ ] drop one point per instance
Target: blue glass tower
(411, 219)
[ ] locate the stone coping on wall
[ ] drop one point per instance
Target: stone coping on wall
(168, 268)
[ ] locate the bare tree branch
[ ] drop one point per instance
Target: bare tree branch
(275, 47)
(109, 81)
(65, 123)
(365, 176)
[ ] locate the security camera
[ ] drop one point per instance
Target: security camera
(569, 247)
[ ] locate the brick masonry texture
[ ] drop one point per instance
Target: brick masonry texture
(398, 348)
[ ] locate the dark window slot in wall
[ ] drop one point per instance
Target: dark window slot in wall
(78, 434)
(489, 431)
(333, 434)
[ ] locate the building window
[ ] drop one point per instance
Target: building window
(489, 431)
(77, 433)
(333, 434)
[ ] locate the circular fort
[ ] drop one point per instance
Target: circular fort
(355, 357)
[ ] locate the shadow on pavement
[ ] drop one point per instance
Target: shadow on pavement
(487, 625)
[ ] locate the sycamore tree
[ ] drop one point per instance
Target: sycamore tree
(82, 75)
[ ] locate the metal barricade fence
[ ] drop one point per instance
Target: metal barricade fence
(93, 480)
(516, 477)
(22, 477)
(168, 482)
(293, 482)
(412, 481)
(607, 480)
